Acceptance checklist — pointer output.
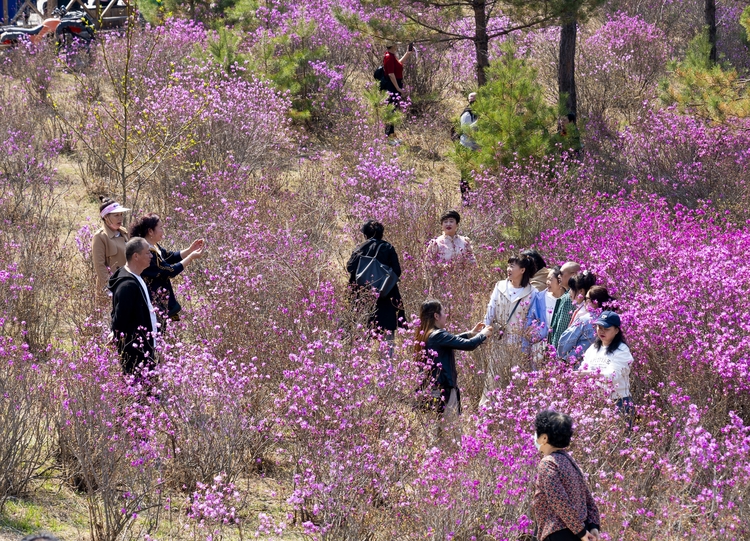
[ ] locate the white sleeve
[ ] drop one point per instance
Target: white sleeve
(489, 317)
(586, 362)
(465, 119)
(620, 361)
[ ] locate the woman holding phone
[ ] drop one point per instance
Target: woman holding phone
(393, 82)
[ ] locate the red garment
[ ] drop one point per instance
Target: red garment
(392, 65)
(561, 497)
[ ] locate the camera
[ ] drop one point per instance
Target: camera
(411, 46)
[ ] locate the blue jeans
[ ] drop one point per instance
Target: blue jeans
(625, 407)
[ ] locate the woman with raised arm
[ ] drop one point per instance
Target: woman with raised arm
(165, 265)
(436, 347)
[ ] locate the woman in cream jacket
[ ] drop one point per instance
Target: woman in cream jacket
(108, 243)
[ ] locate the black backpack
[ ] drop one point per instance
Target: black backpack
(379, 74)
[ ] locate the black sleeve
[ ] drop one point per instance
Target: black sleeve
(126, 301)
(393, 262)
(351, 266)
(451, 341)
(170, 257)
(159, 269)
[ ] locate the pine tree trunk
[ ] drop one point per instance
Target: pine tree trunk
(481, 42)
(710, 17)
(566, 76)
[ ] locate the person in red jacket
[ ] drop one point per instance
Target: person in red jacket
(393, 81)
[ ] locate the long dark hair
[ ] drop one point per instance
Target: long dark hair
(613, 345)
(528, 265)
(143, 224)
(429, 309)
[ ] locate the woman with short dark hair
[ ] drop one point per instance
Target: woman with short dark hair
(563, 506)
(450, 247)
(389, 312)
(164, 266)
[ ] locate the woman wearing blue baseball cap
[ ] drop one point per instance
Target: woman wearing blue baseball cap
(610, 357)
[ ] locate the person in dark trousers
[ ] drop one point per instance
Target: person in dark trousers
(164, 266)
(436, 347)
(393, 81)
(133, 317)
(389, 309)
(563, 506)
(468, 122)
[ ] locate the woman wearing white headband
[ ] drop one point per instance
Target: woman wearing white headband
(108, 244)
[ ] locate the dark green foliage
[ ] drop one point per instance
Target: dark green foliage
(514, 118)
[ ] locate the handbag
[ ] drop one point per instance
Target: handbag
(501, 327)
(372, 273)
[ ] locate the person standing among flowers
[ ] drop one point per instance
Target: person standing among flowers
(393, 82)
(580, 334)
(563, 506)
(507, 311)
(389, 309)
(564, 306)
(165, 265)
(609, 357)
(108, 243)
(554, 291)
(436, 347)
(450, 247)
(134, 325)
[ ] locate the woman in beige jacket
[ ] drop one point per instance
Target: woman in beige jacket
(108, 244)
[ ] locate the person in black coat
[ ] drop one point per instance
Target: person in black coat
(133, 319)
(436, 347)
(164, 266)
(389, 309)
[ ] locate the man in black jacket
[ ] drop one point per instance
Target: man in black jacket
(133, 317)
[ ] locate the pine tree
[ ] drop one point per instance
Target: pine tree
(514, 120)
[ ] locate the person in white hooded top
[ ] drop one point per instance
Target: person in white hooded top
(509, 311)
(610, 357)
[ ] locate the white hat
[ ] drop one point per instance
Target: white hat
(113, 208)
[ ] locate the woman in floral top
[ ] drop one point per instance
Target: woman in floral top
(563, 505)
(450, 247)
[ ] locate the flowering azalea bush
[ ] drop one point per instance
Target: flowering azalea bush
(271, 379)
